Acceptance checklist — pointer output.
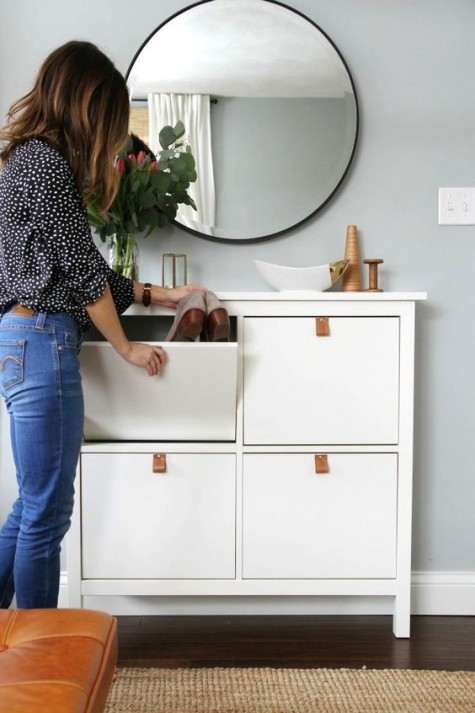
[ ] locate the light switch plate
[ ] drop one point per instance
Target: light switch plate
(457, 206)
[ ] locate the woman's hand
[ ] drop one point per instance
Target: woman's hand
(147, 356)
(174, 294)
(104, 316)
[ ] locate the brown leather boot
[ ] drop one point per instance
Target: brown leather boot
(218, 326)
(189, 319)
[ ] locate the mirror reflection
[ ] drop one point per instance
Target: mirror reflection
(269, 107)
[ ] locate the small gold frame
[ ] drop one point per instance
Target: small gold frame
(174, 265)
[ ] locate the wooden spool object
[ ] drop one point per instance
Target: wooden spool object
(373, 274)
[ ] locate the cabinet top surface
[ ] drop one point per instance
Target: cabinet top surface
(297, 297)
(300, 295)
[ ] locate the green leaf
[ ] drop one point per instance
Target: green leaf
(188, 160)
(178, 163)
(181, 196)
(148, 199)
(109, 229)
(148, 220)
(170, 211)
(161, 181)
(166, 154)
(166, 137)
(162, 220)
(179, 129)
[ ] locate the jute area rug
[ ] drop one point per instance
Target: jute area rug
(269, 690)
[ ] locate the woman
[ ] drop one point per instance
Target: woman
(53, 284)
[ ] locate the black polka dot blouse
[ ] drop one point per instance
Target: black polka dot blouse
(48, 259)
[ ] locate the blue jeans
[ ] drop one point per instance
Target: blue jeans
(41, 385)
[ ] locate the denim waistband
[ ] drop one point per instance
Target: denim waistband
(42, 320)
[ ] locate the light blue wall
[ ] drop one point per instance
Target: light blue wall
(413, 64)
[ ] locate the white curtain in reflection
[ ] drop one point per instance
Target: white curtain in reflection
(194, 111)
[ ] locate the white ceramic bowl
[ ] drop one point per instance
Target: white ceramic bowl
(317, 278)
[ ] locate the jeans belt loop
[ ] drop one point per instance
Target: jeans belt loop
(40, 322)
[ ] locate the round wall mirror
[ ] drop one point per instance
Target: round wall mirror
(269, 108)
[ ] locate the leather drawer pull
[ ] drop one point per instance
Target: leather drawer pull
(159, 463)
(322, 326)
(321, 463)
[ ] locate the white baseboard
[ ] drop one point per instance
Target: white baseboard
(63, 591)
(443, 593)
(433, 593)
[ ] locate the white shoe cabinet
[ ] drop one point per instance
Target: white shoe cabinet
(279, 463)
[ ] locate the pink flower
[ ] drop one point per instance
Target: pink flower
(132, 158)
(153, 166)
(120, 166)
(140, 157)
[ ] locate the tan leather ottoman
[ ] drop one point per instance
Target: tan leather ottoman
(56, 660)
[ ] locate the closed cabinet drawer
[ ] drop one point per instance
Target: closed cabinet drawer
(299, 524)
(138, 524)
(192, 399)
(300, 388)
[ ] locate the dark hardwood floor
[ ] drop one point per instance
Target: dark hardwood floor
(444, 643)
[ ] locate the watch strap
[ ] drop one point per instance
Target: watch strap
(147, 294)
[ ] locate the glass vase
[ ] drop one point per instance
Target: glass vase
(124, 255)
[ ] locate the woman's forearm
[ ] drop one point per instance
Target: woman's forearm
(104, 317)
(164, 296)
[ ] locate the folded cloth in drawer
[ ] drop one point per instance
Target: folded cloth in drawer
(56, 660)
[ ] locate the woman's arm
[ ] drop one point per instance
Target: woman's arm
(104, 316)
(165, 296)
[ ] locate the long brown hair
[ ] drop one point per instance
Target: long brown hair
(79, 104)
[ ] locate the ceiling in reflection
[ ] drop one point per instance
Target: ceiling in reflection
(239, 60)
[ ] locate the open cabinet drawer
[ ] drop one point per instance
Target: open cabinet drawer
(192, 399)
